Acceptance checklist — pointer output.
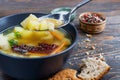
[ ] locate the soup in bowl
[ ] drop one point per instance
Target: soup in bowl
(29, 53)
(31, 39)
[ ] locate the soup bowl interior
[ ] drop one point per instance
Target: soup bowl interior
(33, 68)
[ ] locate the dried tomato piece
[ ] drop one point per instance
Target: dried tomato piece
(41, 48)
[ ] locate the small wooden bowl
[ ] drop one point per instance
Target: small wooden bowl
(92, 27)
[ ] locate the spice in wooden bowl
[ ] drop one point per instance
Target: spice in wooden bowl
(92, 22)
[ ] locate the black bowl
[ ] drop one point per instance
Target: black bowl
(33, 68)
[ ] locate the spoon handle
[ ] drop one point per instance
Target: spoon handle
(79, 5)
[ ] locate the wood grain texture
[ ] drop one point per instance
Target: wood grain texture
(107, 42)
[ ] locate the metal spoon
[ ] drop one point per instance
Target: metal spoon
(65, 18)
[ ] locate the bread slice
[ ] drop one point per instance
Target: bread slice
(93, 68)
(66, 74)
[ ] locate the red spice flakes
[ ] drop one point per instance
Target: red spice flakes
(92, 18)
(41, 48)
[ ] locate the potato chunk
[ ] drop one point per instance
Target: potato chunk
(56, 22)
(31, 23)
(34, 23)
(44, 25)
(4, 42)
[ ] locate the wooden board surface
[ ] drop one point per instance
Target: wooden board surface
(107, 42)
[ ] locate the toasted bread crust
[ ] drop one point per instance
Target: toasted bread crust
(103, 73)
(66, 74)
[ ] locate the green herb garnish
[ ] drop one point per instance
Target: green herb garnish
(17, 34)
(13, 42)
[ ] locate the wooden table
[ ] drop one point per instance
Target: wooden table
(107, 42)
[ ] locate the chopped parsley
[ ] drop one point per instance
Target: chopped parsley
(17, 34)
(13, 42)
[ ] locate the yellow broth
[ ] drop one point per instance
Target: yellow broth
(58, 37)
